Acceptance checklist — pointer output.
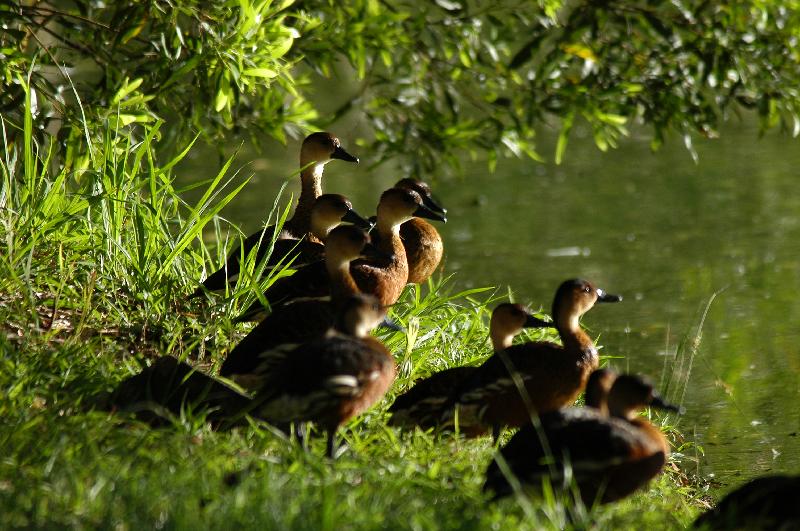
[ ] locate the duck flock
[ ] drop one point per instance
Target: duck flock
(311, 357)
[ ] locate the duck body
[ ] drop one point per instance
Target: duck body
(422, 404)
(302, 320)
(424, 249)
(610, 457)
(331, 379)
(168, 387)
(317, 150)
(765, 503)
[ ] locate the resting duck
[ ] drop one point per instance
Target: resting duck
(765, 503)
(552, 375)
(317, 150)
(302, 320)
(331, 379)
(423, 405)
(384, 277)
(421, 240)
(610, 455)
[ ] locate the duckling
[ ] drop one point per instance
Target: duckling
(384, 277)
(610, 457)
(317, 150)
(332, 379)
(552, 375)
(302, 320)
(421, 240)
(765, 503)
(423, 404)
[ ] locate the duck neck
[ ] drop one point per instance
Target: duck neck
(389, 231)
(501, 340)
(310, 190)
(576, 340)
(342, 283)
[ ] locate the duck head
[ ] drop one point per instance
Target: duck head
(359, 315)
(344, 244)
(424, 191)
(508, 320)
(397, 206)
(574, 298)
(597, 388)
(321, 148)
(330, 210)
(631, 393)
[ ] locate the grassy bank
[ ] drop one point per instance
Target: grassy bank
(99, 254)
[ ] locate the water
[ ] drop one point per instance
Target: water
(661, 230)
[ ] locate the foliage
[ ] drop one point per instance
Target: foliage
(434, 80)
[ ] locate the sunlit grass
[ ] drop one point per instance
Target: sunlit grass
(99, 257)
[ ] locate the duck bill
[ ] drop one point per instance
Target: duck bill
(434, 205)
(353, 217)
(371, 252)
(660, 403)
(341, 154)
(602, 296)
(425, 212)
(534, 322)
(391, 325)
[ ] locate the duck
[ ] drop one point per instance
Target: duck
(382, 276)
(332, 379)
(764, 503)
(423, 404)
(328, 212)
(610, 451)
(421, 241)
(317, 150)
(546, 376)
(169, 387)
(291, 324)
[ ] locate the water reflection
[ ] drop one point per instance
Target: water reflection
(666, 233)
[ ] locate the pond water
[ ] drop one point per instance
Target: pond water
(666, 233)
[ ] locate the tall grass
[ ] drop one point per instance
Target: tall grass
(99, 254)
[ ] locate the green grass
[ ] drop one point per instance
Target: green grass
(99, 252)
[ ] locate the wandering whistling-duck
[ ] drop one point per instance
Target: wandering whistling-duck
(169, 387)
(302, 320)
(552, 375)
(421, 240)
(609, 456)
(381, 276)
(423, 404)
(331, 379)
(765, 503)
(317, 150)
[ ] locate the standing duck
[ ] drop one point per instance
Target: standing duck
(423, 404)
(421, 240)
(610, 455)
(332, 379)
(302, 320)
(536, 376)
(317, 150)
(384, 277)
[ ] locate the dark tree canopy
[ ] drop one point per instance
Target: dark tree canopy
(433, 79)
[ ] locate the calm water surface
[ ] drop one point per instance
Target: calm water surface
(663, 231)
